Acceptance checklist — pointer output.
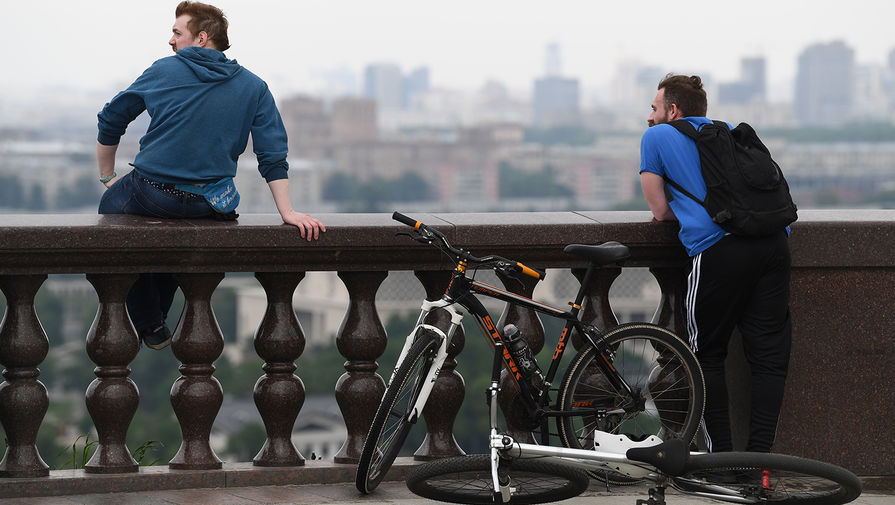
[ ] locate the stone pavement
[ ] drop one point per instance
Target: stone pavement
(315, 483)
(389, 493)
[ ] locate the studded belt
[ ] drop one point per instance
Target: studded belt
(169, 188)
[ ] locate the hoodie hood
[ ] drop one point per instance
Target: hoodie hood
(209, 65)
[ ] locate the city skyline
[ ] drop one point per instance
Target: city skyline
(96, 45)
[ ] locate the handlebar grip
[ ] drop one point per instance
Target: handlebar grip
(401, 218)
(532, 272)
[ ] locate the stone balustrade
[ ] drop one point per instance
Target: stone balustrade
(838, 398)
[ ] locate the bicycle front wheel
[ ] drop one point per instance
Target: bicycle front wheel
(754, 477)
(467, 479)
(392, 421)
(667, 390)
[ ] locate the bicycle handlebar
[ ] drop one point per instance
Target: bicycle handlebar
(401, 218)
(430, 234)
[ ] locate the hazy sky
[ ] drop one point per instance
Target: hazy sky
(105, 44)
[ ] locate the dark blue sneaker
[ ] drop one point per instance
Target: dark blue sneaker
(157, 336)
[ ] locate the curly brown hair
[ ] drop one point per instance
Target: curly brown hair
(685, 91)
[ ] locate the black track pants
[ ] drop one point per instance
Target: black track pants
(742, 282)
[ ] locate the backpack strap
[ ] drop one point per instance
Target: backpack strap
(685, 127)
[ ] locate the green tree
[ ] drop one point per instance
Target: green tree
(37, 199)
(410, 187)
(83, 192)
(515, 183)
(850, 132)
(223, 303)
(565, 135)
(246, 442)
(11, 192)
(374, 194)
(340, 187)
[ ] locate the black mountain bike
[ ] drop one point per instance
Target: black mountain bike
(629, 386)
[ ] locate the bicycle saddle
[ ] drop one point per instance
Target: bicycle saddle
(669, 457)
(603, 254)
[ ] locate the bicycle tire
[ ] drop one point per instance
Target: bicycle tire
(390, 425)
(738, 477)
(655, 362)
(467, 479)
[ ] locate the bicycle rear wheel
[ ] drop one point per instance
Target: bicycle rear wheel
(669, 392)
(753, 477)
(467, 479)
(391, 424)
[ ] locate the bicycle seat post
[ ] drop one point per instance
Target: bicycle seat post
(582, 290)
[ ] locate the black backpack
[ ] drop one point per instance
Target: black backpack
(746, 191)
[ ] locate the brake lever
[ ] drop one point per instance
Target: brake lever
(508, 273)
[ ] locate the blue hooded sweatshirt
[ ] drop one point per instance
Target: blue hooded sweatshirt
(202, 108)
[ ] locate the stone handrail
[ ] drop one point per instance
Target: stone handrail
(837, 400)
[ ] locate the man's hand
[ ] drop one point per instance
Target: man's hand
(108, 184)
(309, 227)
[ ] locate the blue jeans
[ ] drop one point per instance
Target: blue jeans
(151, 296)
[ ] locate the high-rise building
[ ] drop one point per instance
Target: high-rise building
(824, 84)
(556, 102)
(751, 88)
(384, 83)
(354, 120)
(307, 124)
(556, 99)
(416, 84)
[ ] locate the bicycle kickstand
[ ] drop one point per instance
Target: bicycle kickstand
(656, 497)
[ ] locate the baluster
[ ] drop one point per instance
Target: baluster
(112, 397)
(23, 398)
(532, 330)
(279, 394)
(361, 340)
(671, 312)
(597, 309)
(444, 403)
(197, 395)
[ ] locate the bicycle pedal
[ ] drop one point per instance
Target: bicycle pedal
(656, 497)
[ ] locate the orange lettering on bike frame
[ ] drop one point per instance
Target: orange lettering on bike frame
(495, 336)
(562, 343)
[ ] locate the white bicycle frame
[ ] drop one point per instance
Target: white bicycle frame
(612, 458)
(440, 355)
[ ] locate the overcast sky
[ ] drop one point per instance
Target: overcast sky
(105, 44)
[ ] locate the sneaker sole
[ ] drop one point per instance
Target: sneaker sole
(158, 347)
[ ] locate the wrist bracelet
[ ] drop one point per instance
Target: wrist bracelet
(108, 178)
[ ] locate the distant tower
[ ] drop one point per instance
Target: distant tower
(556, 99)
(553, 61)
(754, 75)
(824, 84)
(384, 83)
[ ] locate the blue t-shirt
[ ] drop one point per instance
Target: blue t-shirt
(667, 152)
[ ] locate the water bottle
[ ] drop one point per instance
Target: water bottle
(521, 352)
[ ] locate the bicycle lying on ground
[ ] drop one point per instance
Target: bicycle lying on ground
(517, 473)
(637, 380)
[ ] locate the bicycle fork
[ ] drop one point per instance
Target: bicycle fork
(440, 355)
(500, 484)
